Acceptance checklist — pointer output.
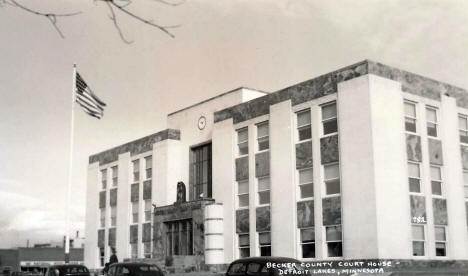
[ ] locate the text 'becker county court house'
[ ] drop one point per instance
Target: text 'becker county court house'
(367, 162)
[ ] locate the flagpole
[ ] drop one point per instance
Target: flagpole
(70, 170)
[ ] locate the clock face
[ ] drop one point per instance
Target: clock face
(201, 122)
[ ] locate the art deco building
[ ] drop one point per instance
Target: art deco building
(366, 162)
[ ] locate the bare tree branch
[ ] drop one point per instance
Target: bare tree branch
(169, 3)
(149, 22)
(120, 5)
(116, 25)
(52, 17)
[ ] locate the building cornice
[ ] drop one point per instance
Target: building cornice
(328, 83)
(135, 147)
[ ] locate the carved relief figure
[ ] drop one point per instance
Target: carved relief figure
(181, 192)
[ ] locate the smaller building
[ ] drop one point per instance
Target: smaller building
(36, 259)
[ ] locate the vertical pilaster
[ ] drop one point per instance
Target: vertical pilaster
(453, 181)
(283, 186)
(224, 182)
(123, 206)
(92, 212)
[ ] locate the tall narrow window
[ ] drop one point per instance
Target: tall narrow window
(136, 170)
(306, 187)
(113, 210)
(102, 254)
(102, 217)
(332, 178)
(463, 128)
(414, 177)
(308, 242)
(243, 141)
(441, 241)
(115, 173)
(104, 179)
(147, 249)
(201, 171)
(264, 190)
(135, 206)
(244, 245)
(264, 240)
(465, 182)
(304, 130)
(263, 136)
(134, 250)
(334, 241)
(329, 119)
(410, 116)
(148, 209)
(431, 121)
(243, 193)
(149, 167)
(436, 180)
(418, 240)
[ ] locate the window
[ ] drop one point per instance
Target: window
(104, 179)
(179, 237)
(465, 182)
(306, 187)
(436, 180)
(264, 190)
(463, 128)
(431, 121)
(418, 240)
(243, 193)
(134, 250)
(135, 212)
(148, 206)
(102, 217)
(113, 215)
(304, 130)
(441, 241)
(136, 170)
(244, 245)
(102, 255)
(238, 268)
(149, 167)
(264, 240)
(332, 178)
(308, 242)
(114, 176)
(201, 171)
(263, 136)
(410, 116)
(253, 268)
(329, 119)
(243, 141)
(414, 177)
(334, 241)
(147, 249)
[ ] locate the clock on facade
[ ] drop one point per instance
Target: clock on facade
(201, 122)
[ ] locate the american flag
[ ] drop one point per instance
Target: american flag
(85, 97)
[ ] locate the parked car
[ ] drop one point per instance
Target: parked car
(265, 266)
(67, 270)
(134, 269)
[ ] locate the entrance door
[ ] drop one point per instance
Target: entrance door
(200, 172)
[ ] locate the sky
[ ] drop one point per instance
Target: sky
(220, 45)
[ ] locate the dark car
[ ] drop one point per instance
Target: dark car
(67, 270)
(134, 269)
(265, 266)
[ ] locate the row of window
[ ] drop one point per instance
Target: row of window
(411, 119)
(419, 240)
(414, 179)
(115, 175)
(148, 168)
(264, 244)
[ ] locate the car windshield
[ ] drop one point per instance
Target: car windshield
(148, 268)
(74, 269)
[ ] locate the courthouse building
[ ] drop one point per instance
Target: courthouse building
(366, 162)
